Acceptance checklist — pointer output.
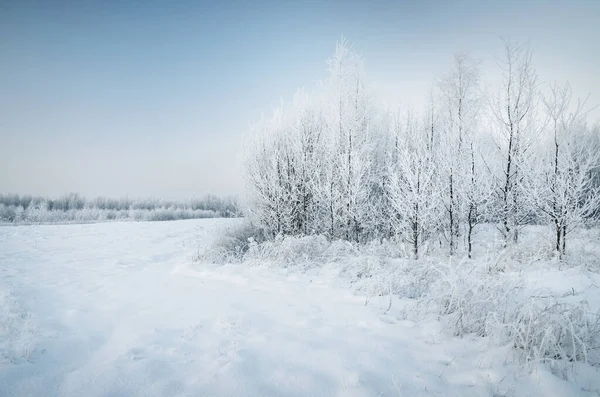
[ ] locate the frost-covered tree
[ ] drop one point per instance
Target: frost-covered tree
(567, 193)
(333, 163)
(284, 163)
(75, 208)
(385, 136)
(265, 174)
(305, 140)
(348, 123)
(514, 116)
(413, 187)
(461, 104)
(466, 187)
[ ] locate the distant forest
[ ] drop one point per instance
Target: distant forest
(74, 208)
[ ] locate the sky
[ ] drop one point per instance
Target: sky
(140, 99)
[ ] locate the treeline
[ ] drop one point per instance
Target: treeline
(73, 207)
(337, 163)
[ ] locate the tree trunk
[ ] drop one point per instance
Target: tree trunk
(451, 214)
(331, 210)
(471, 224)
(564, 240)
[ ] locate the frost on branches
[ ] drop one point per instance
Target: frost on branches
(335, 163)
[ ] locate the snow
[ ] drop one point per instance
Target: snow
(121, 309)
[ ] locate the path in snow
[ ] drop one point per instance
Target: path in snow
(119, 309)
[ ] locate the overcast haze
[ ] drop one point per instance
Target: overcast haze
(112, 98)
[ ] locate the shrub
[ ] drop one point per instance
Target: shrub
(290, 251)
(549, 330)
(469, 295)
(7, 214)
(232, 243)
(498, 305)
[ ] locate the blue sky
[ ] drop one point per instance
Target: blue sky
(150, 98)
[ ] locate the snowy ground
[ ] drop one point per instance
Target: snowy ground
(121, 309)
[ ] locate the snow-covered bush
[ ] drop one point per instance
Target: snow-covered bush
(500, 305)
(548, 329)
(290, 251)
(489, 297)
(375, 269)
(468, 295)
(375, 275)
(7, 213)
(161, 215)
(233, 243)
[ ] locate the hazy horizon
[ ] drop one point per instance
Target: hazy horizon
(114, 99)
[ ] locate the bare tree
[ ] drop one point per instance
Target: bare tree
(568, 194)
(461, 101)
(514, 113)
(334, 164)
(302, 142)
(348, 121)
(413, 187)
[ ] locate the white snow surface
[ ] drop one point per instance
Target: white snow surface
(121, 309)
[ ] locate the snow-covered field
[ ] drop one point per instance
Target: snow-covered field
(122, 309)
